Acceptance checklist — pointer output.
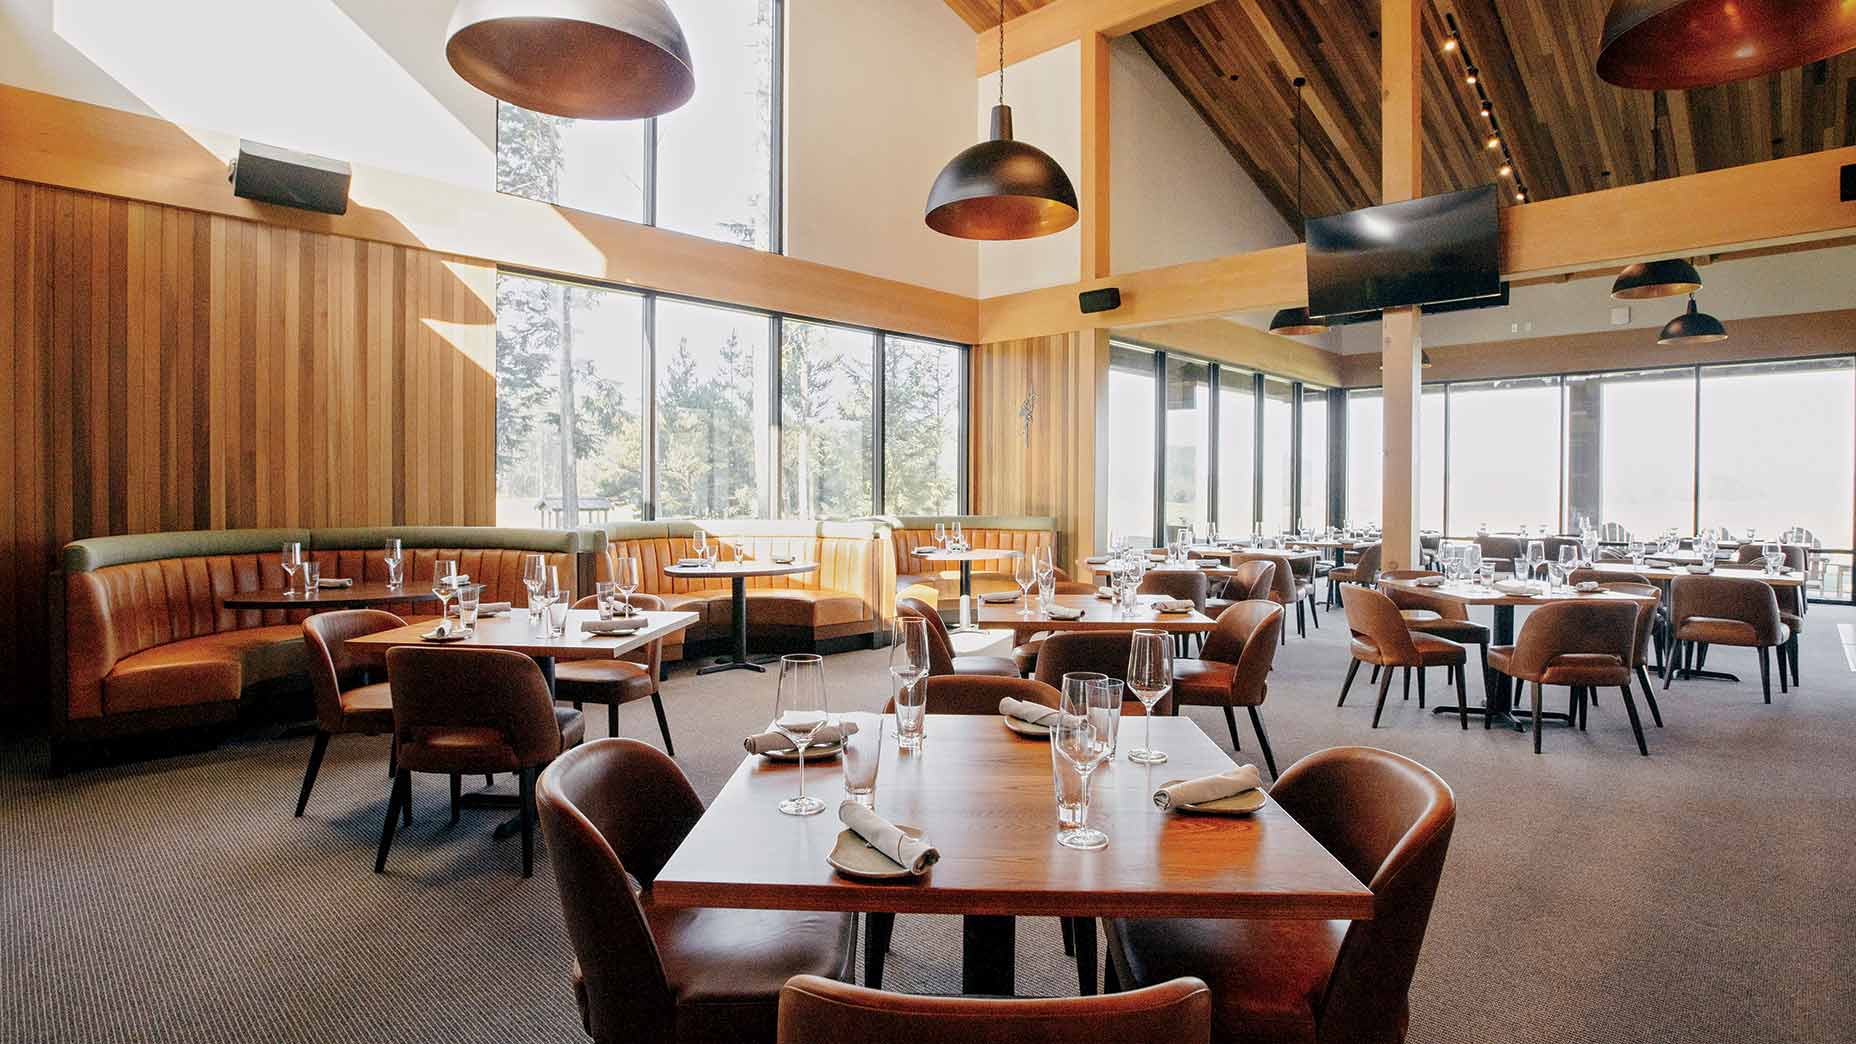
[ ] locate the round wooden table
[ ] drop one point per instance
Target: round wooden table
(363, 594)
(966, 559)
(737, 574)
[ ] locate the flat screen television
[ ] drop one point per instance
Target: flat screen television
(1422, 251)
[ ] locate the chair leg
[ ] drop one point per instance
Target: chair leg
(1111, 981)
(397, 793)
(1701, 657)
(1374, 680)
(1083, 929)
(1778, 652)
(1462, 697)
(1649, 696)
(663, 723)
(1669, 668)
(316, 751)
(1353, 668)
(1067, 927)
(1792, 644)
(1636, 724)
(1263, 740)
(1765, 671)
(457, 797)
(1301, 620)
(1408, 685)
(877, 930)
(526, 783)
(1385, 686)
(1420, 688)
(1312, 615)
(1230, 722)
(1536, 717)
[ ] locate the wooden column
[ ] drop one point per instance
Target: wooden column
(1095, 173)
(1400, 348)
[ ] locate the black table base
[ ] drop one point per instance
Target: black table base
(740, 661)
(988, 955)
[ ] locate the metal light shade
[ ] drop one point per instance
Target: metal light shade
(585, 59)
(1692, 327)
(1677, 44)
(1001, 189)
(1646, 279)
(1296, 322)
(1424, 361)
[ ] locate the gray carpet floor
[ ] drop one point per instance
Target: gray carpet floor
(1700, 894)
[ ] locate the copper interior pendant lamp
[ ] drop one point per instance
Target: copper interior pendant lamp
(1693, 326)
(1671, 277)
(1001, 189)
(1677, 44)
(582, 59)
(1296, 322)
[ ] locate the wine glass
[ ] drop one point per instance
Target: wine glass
(1080, 739)
(1569, 558)
(625, 578)
(292, 559)
(1024, 574)
(555, 597)
(940, 535)
(1536, 553)
(534, 571)
(1773, 556)
(958, 537)
(443, 585)
(799, 711)
(394, 557)
(700, 544)
(1150, 675)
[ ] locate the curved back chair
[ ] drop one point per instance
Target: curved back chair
(613, 811)
(1503, 550)
(1646, 637)
(1792, 603)
(980, 694)
(1362, 570)
(1602, 577)
(1382, 638)
(941, 658)
(1452, 620)
(462, 712)
(345, 700)
(1104, 652)
(1252, 580)
(613, 683)
(1582, 645)
(1727, 610)
(1389, 820)
(819, 1011)
(1233, 669)
(1176, 583)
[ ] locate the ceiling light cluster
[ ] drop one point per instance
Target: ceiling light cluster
(1473, 77)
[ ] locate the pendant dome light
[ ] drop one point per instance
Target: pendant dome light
(1677, 44)
(1001, 188)
(1671, 277)
(1296, 322)
(1692, 327)
(583, 59)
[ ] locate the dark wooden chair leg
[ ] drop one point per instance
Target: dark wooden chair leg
(1111, 979)
(1765, 672)
(1462, 697)
(1669, 668)
(526, 782)
(457, 797)
(1701, 656)
(1263, 740)
(1374, 679)
(877, 930)
(1778, 652)
(1353, 668)
(319, 748)
(1408, 685)
(1312, 614)
(1649, 696)
(489, 780)
(1084, 929)
(1385, 686)
(397, 793)
(1793, 645)
(1301, 620)
(1065, 925)
(1420, 688)
(663, 723)
(1636, 724)
(1536, 717)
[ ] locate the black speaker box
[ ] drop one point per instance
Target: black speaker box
(290, 179)
(1106, 299)
(1849, 183)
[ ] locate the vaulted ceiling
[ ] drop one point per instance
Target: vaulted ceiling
(1569, 131)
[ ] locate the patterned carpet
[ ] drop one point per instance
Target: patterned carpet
(1591, 895)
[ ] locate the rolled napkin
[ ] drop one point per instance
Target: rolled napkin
(1517, 587)
(494, 607)
(334, 581)
(1105, 593)
(620, 625)
(441, 629)
(775, 742)
(913, 852)
(691, 563)
(1096, 560)
(1064, 612)
(999, 597)
(1208, 788)
(1026, 711)
(1173, 605)
(1429, 581)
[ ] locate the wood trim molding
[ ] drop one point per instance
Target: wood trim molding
(1055, 24)
(1096, 158)
(1224, 341)
(70, 144)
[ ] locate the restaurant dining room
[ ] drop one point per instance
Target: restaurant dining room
(826, 521)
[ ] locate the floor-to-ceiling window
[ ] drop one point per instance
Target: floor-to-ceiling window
(1630, 452)
(1237, 450)
(1132, 429)
(922, 418)
(1278, 456)
(1431, 441)
(827, 420)
(1365, 457)
(1187, 476)
(1313, 512)
(712, 411)
(1504, 454)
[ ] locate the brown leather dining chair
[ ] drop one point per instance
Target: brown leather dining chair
(1180, 584)
(1233, 669)
(1581, 645)
(1363, 570)
(1725, 610)
(1387, 819)
(612, 812)
(1648, 612)
(459, 712)
(1025, 654)
(1101, 652)
(617, 682)
(1384, 639)
(1302, 568)
(1250, 580)
(1792, 602)
(346, 702)
(941, 658)
(820, 1011)
(1451, 617)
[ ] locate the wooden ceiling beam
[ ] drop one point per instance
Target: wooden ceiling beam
(1061, 21)
(1295, 62)
(1681, 132)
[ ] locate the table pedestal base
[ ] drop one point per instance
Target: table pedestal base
(988, 955)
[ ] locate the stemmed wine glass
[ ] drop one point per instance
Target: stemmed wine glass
(394, 558)
(1046, 572)
(1081, 739)
(799, 711)
(908, 665)
(625, 578)
(940, 535)
(959, 538)
(1569, 560)
(1535, 554)
(291, 561)
(443, 585)
(699, 544)
(1024, 574)
(1150, 675)
(1772, 556)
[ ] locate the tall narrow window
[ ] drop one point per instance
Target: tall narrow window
(921, 427)
(827, 420)
(1278, 453)
(1431, 408)
(715, 154)
(1188, 444)
(1237, 450)
(1630, 452)
(1504, 455)
(1131, 432)
(595, 165)
(712, 409)
(569, 404)
(1365, 456)
(1314, 506)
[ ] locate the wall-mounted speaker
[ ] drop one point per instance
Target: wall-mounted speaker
(1106, 299)
(269, 174)
(1849, 183)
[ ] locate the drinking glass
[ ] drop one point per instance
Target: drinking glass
(625, 578)
(1472, 559)
(1109, 714)
(1588, 540)
(1752, 535)
(1569, 558)
(442, 584)
(1556, 576)
(1637, 553)
(602, 597)
(1536, 554)
(1078, 739)
(534, 571)
(395, 559)
(1773, 556)
(554, 602)
(799, 710)
(1150, 675)
(959, 538)
(863, 754)
(1024, 574)
(910, 696)
(468, 600)
(312, 577)
(940, 535)
(292, 559)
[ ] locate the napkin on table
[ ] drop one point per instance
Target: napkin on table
(1096, 560)
(494, 607)
(1208, 788)
(999, 597)
(690, 563)
(621, 625)
(1064, 612)
(1026, 711)
(913, 852)
(1173, 605)
(334, 581)
(774, 742)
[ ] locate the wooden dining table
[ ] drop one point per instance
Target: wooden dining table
(512, 631)
(984, 797)
(359, 595)
(1664, 575)
(1099, 614)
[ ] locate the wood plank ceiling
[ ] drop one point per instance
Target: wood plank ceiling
(1569, 131)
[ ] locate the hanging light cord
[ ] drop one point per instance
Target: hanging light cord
(1301, 215)
(1001, 52)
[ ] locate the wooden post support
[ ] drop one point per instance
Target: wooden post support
(1400, 347)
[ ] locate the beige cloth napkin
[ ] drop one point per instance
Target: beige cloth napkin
(774, 742)
(1025, 710)
(617, 625)
(913, 852)
(1064, 612)
(1000, 597)
(334, 582)
(1173, 605)
(1208, 788)
(494, 607)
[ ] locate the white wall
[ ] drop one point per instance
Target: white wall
(877, 103)
(1175, 193)
(1045, 93)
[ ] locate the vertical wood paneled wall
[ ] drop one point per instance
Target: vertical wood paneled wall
(1049, 467)
(170, 370)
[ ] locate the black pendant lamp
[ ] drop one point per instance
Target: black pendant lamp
(583, 59)
(1671, 277)
(1677, 44)
(1692, 327)
(1001, 189)
(1296, 322)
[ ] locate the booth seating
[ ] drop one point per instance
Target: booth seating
(847, 601)
(147, 644)
(941, 587)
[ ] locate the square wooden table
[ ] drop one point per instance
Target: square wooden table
(985, 798)
(511, 631)
(1098, 615)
